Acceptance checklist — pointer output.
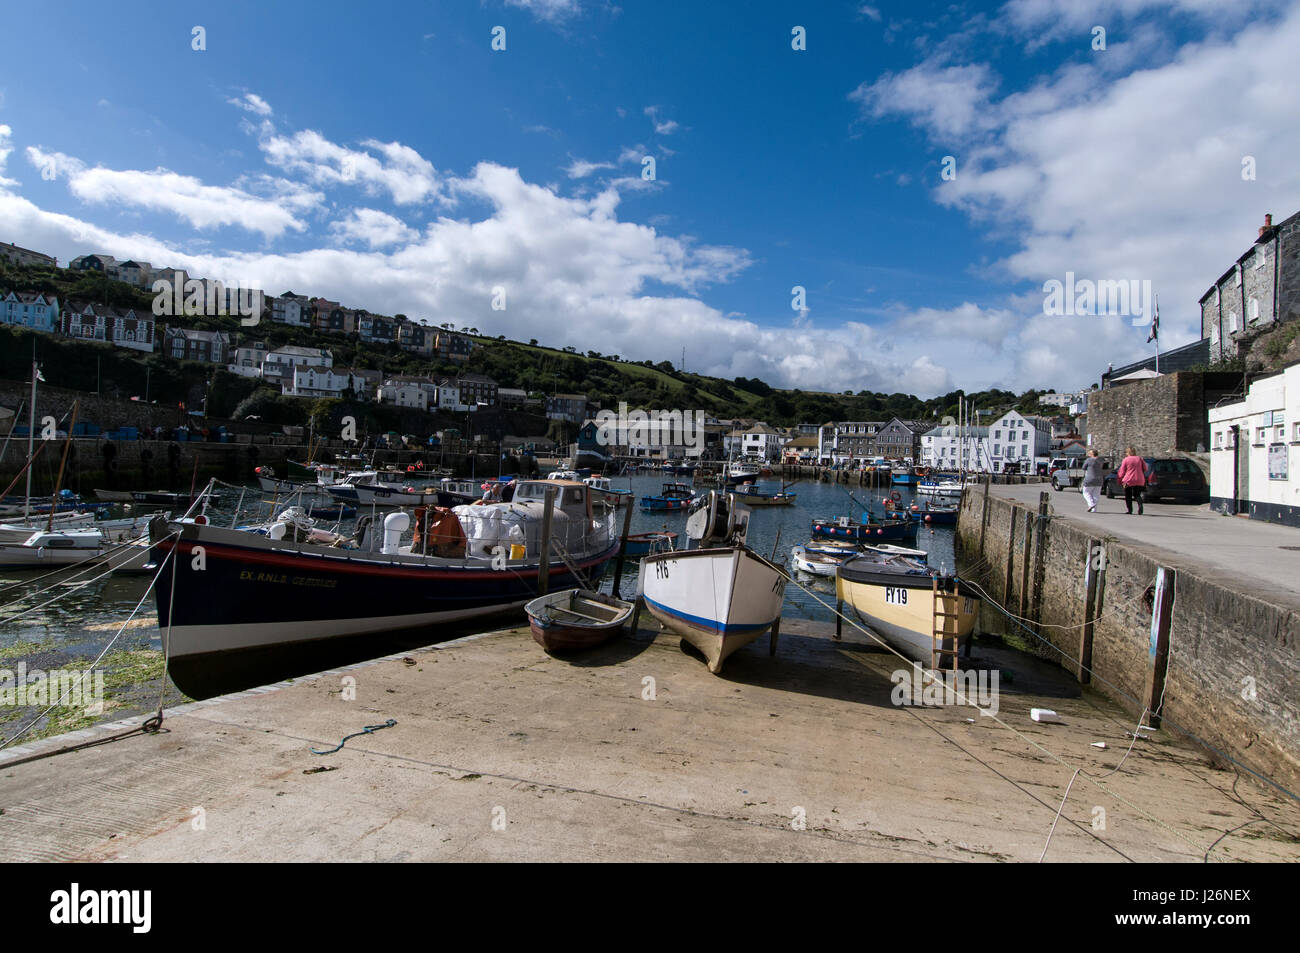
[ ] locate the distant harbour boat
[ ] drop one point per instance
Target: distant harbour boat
(847, 528)
(674, 496)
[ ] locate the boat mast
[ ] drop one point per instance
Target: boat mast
(31, 437)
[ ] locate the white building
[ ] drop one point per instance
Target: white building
(449, 396)
(278, 365)
(404, 392)
(246, 361)
(762, 442)
(1255, 451)
(290, 308)
(308, 381)
(951, 447)
(1017, 439)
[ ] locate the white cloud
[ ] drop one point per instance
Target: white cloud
(377, 229)
(664, 127)
(5, 149)
(580, 168)
(867, 10)
(203, 206)
(550, 10)
(398, 170)
(1136, 176)
(949, 101)
(251, 102)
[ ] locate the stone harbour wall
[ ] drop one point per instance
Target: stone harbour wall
(1232, 677)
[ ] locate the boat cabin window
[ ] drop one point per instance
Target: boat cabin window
(528, 492)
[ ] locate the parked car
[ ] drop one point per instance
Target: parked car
(1175, 478)
(1070, 474)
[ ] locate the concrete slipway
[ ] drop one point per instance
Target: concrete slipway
(573, 763)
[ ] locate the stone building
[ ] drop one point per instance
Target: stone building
(1259, 291)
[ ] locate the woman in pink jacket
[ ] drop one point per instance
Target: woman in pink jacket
(1132, 476)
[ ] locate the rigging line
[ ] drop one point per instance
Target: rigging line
(1168, 722)
(961, 695)
(18, 615)
(98, 659)
(1064, 798)
(89, 562)
(1015, 784)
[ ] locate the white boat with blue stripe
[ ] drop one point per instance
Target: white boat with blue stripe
(717, 598)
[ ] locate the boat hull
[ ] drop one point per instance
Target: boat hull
(254, 595)
(716, 599)
(900, 610)
(557, 636)
(869, 533)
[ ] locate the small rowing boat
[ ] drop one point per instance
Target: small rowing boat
(575, 619)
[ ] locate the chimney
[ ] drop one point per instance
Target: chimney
(1268, 223)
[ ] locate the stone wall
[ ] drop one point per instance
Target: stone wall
(1161, 417)
(1224, 646)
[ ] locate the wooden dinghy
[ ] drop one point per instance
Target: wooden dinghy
(575, 619)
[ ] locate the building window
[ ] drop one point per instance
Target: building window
(1237, 272)
(1260, 257)
(1259, 436)
(1252, 312)
(1232, 322)
(1218, 440)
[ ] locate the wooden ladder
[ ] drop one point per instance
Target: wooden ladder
(944, 606)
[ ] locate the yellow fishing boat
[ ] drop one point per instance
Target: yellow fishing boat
(924, 614)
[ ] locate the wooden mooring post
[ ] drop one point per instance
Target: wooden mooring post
(1093, 599)
(1022, 605)
(1040, 543)
(622, 551)
(984, 513)
(1011, 556)
(1162, 611)
(544, 568)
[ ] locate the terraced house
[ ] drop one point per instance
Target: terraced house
(131, 328)
(30, 310)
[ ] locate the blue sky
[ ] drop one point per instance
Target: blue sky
(386, 156)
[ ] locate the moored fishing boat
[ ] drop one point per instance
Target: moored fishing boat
(643, 544)
(674, 496)
(918, 610)
(743, 471)
(817, 563)
(615, 496)
(719, 597)
(845, 527)
(951, 489)
(933, 513)
(575, 619)
(296, 584)
(903, 476)
(750, 495)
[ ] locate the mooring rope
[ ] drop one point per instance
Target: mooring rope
(1165, 720)
(81, 676)
(961, 696)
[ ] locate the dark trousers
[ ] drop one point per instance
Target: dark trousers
(1132, 493)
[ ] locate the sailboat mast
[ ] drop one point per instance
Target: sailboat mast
(31, 437)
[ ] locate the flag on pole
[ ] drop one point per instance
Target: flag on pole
(1155, 326)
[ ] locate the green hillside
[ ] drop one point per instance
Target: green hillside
(530, 366)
